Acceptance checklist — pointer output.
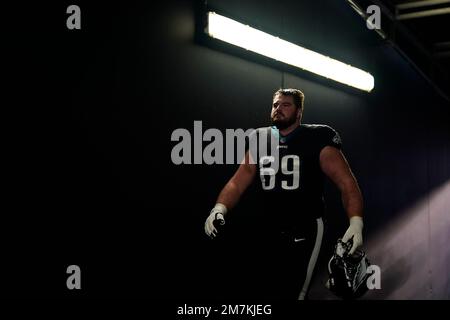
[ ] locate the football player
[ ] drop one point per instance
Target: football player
(293, 192)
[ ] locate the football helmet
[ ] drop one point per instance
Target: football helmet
(347, 273)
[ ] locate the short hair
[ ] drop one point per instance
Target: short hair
(297, 95)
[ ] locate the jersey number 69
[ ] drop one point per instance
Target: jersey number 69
(267, 173)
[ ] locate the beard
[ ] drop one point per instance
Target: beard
(283, 123)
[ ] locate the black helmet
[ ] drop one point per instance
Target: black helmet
(347, 273)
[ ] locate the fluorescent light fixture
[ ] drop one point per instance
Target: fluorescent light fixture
(246, 37)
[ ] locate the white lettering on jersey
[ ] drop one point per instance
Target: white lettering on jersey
(267, 174)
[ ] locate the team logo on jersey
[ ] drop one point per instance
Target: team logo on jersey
(337, 139)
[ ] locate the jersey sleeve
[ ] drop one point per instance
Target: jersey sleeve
(251, 143)
(259, 143)
(329, 137)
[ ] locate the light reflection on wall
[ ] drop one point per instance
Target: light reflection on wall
(413, 250)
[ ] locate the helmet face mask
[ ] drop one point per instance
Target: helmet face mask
(347, 273)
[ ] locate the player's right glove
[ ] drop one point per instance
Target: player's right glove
(216, 217)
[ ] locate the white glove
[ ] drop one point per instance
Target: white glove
(217, 213)
(355, 231)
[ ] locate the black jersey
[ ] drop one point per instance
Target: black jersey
(291, 183)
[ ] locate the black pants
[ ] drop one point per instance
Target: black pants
(279, 265)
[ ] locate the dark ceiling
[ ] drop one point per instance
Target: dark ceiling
(420, 30)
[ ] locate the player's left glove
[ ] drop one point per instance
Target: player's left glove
(354, 231)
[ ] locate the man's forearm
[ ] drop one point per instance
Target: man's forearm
(353, 202)
(230, 195)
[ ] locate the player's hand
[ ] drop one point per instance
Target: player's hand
(216, 216)
(354, 231)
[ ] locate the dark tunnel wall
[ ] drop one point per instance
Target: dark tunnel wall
(102, 149)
